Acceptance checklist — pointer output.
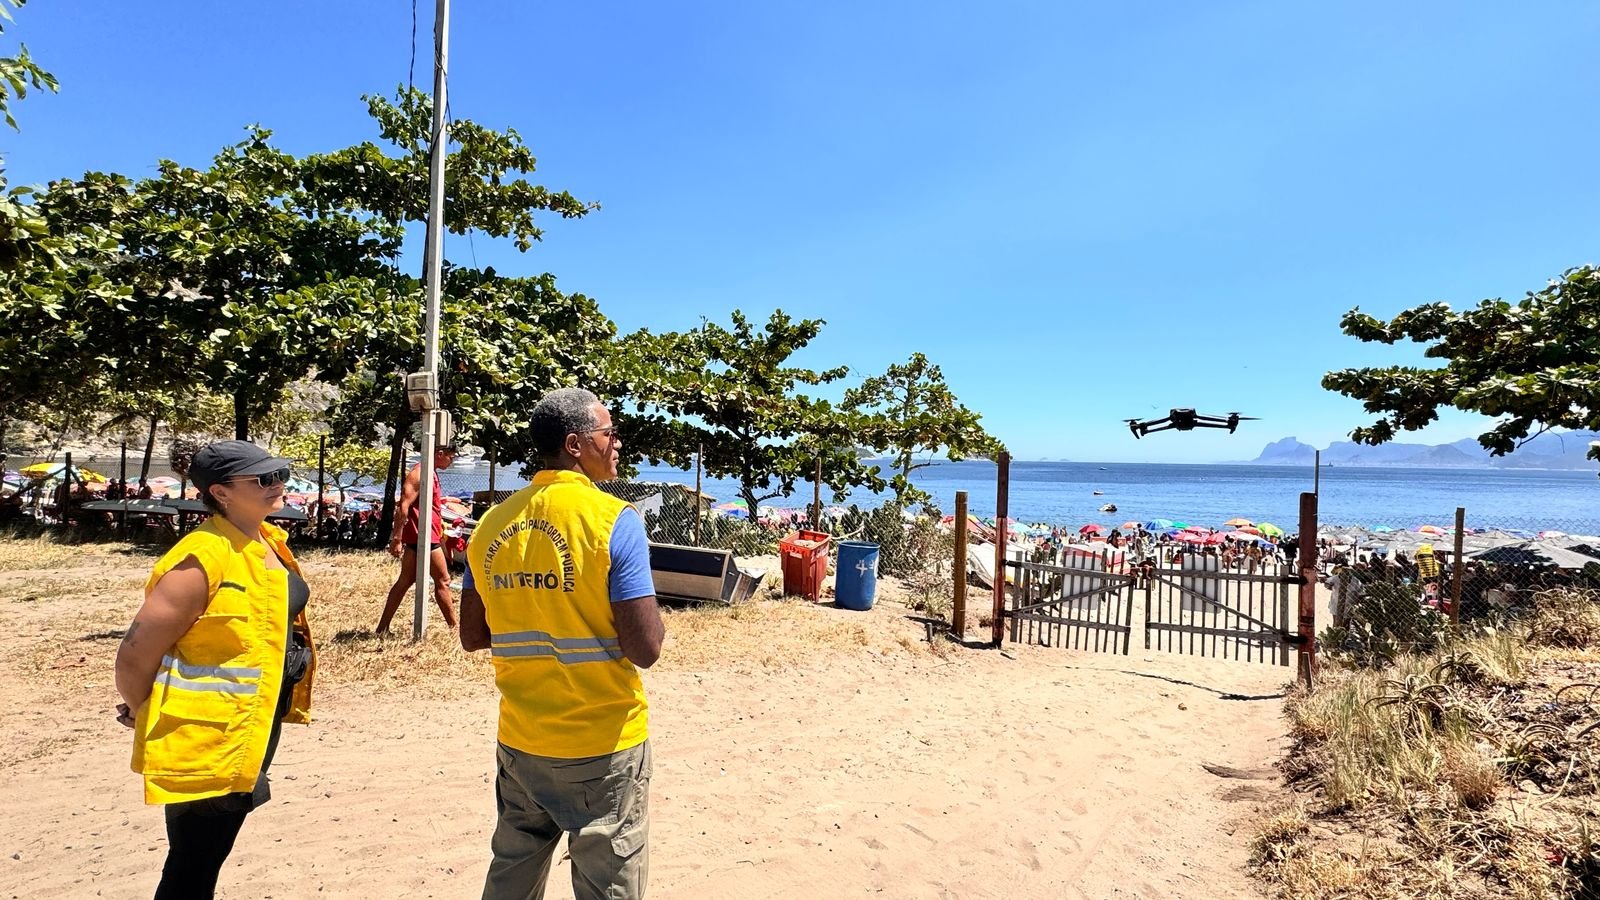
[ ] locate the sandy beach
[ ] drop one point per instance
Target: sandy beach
(801, 751)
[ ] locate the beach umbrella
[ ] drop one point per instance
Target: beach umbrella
(1091, 528)
(1381, 529)
(1178, 525)
(1251, 530)
(1430, 529)
(1268, 529)
(1547, 535)
(734, 509)
(1236, 523)
(357, 506)
(1131, 526)
(1158, 524)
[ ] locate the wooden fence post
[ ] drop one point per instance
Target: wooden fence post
(1457, 565)
(958, 609)
(1308, 589)
(1002, 487)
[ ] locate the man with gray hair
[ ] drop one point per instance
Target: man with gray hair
(558, 589)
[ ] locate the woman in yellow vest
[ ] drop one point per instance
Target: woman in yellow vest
(217, 658)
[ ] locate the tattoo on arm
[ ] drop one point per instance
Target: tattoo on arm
(127, 638)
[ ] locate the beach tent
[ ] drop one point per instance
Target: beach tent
(1534, 553)
(40, 471)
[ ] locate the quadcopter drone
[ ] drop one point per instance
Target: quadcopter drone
(1185, 420)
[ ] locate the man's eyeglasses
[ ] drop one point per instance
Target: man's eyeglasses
(267, 479)
(609, 434)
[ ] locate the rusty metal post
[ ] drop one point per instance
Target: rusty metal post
(816, 498)
(1001, 489)
(64, 494)
(1308, 589)
(122, 491)
(322, 480)
(494, 464)
(958, 608)
(1457, 565)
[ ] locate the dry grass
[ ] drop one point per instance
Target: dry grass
(784, 633)
(90, 592)
(347, 595)
(1568, 619)
(33, 553)
(1470, 768)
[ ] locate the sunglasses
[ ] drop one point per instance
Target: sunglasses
(266, 479)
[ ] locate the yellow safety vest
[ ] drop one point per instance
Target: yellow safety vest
(541, 560)
(204, 730)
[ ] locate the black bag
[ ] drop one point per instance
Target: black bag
(296, 659)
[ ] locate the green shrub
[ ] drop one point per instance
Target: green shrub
(1387, 620)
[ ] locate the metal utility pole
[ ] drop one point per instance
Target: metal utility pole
(433, 260)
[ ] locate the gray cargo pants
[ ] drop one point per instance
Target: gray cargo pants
(601, 802)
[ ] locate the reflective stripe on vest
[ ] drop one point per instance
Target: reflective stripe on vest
(180, 674)
(567, 651)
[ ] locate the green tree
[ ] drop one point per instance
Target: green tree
(910, 410)
(347, 462)
(1534, 364)
(504, 343)
(19, 72)
(731, 393)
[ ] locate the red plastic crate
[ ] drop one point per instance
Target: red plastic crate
(805, 563)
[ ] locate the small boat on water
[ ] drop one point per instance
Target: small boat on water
(1109, 507)
(1099, 493)
(1103, 468)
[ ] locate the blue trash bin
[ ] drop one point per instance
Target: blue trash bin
(856, 583)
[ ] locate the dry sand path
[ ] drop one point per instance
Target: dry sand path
(883, 770)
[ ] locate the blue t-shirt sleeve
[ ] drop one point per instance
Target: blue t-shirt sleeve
(467, 582)
(630, 559)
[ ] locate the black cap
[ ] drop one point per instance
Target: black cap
(216, 463)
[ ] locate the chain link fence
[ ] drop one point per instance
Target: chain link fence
(1401, 587)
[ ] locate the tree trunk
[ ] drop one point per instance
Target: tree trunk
(149, 448)
(241, 417)
(397, 455)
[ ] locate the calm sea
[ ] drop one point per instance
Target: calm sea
(1062, 493)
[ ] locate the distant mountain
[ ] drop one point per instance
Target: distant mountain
(1287, 452)
(1567, 450)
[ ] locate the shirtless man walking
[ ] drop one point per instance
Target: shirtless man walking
(403, 542)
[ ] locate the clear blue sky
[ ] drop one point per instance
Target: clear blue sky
(1083, 212)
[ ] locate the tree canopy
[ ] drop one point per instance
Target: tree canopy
(731, 394)
(172, 297)
(910, 410)
(1533, 364)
